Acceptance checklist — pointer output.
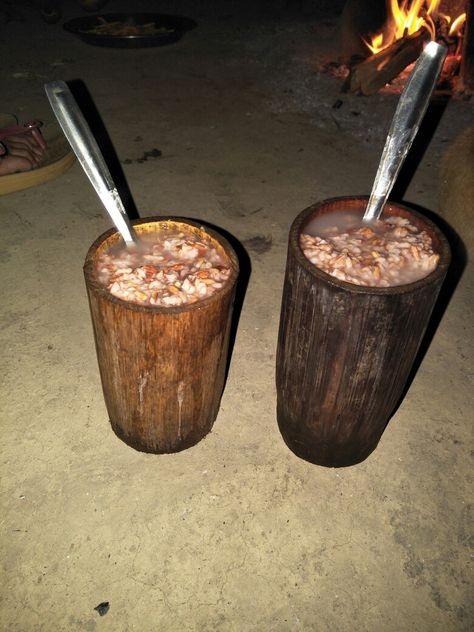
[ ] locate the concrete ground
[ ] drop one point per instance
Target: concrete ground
(236, 533)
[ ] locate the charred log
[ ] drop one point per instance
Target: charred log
(377, 70)
(467, 64)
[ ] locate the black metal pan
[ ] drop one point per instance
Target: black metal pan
(130, 30)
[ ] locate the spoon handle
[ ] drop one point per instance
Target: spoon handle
(84, 145)
(405, 123)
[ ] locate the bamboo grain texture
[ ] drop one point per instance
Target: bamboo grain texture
(162, 368)
(345, 352)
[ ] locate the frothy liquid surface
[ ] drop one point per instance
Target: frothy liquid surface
(385, 253)
(168, 268)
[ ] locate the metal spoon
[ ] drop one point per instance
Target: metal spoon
(84, 145)
(405, 123)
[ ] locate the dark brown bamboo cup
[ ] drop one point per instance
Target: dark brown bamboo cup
(162, 368)
(345, 351)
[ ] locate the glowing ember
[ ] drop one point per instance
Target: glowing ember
(407, 17)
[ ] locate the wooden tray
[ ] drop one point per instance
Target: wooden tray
(59, 157)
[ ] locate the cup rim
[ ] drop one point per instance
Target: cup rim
(444, 250)
(93, 283)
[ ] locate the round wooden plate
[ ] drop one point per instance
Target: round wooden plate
(58, 158)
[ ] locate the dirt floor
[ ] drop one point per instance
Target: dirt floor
(236, 533)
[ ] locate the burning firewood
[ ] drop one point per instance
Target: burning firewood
(377, 70)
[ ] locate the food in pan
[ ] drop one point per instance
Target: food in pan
(126, 29)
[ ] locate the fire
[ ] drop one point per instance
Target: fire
(457, 24)
(408, 16)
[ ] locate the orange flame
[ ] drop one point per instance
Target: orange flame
(408, 16)
(457, 25)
